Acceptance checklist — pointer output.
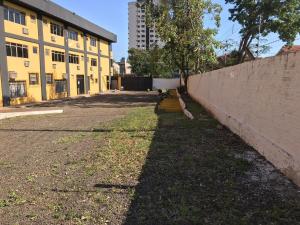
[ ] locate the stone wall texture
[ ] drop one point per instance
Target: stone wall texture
(260, 102)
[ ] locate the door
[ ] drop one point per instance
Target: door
(80, 84)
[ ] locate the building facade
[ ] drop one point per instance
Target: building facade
(50, 53)
(125, 67)
(139, 35)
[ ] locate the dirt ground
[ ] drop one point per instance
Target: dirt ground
(116, 160)
(37, 153)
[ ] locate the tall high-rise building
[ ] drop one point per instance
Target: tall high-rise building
(139, 35)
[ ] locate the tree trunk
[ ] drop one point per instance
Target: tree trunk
(186, 83)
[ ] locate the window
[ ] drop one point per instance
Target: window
(16, 50)
(17, 89)
(57, 29)
(73, 59)
(35, 50)
(73, 35)
(58, 56)
(60, 86)
(93, 62)
(33, 78)
(93, 42)
(14, 15)
(49, 78)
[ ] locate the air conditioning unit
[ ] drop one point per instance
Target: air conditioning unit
(25, 31)
(12, 75)
(78, 67)
(26, 63)
(54, 66)
(78, 45)
(53, 38)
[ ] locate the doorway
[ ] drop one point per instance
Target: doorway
(80, 84)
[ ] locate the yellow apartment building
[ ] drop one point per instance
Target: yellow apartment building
(48, 52)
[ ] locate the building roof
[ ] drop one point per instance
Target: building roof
(289, 49)
(49, 8)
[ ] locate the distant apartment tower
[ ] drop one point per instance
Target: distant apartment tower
(139, 35)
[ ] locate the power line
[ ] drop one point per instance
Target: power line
(278, 41)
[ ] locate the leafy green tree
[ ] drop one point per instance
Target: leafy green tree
(152, 62)
(180, 24)
(263, 17)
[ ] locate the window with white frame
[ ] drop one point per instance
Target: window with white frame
(14, 15)
(33, 78)
(56, 29)
(93, 62)
(49, 78)
(93, 42)
(16, 50)
(73, 35)
(17, 89)
(58, 56)
(60, 86)
(74, 59)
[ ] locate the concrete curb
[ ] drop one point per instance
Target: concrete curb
(183, 107)
(32, 113)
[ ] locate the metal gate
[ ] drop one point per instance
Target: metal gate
(132, 83)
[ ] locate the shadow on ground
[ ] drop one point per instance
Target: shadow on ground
(198, 172)
(117, 100)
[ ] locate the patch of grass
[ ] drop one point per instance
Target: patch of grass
(3, 203)
(32, 216)
(31, 178)
(16, 198)
(13, 198)
(72, 139)
(56, 210)
(5, 165)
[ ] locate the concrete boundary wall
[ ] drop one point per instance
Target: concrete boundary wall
(260, 102)
(162, 83)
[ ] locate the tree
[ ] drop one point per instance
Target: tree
(180, 25)
(152, 62)
(263, 17)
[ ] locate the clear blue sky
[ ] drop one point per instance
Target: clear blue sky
(113, 15)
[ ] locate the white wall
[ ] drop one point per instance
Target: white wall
(159, 83)
(259, 101)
